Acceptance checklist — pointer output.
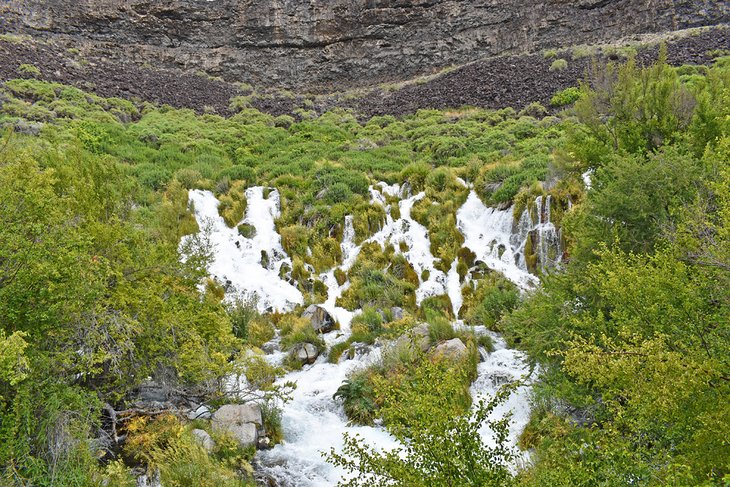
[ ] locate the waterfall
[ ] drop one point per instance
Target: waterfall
(237, 260)
(312, 421)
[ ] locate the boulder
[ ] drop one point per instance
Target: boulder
(321, 320)
(396, 313)
(418, 336)
(151, 480)
(204, 439)
(306, 353)
(28, 128)
(453, 349)
(152, 393)
(240, 420)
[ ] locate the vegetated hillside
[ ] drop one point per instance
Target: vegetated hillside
(110, 338)
(327, 45)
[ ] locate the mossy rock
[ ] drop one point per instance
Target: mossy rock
(247, 231)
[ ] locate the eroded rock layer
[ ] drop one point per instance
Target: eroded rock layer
(333, 44)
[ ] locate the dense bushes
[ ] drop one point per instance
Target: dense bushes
(633, 337)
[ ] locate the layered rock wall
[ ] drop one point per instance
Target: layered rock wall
(334, 44)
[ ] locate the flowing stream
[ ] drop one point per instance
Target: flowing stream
(313, 422)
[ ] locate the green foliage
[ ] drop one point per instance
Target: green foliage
(29, 70)
(633, 337)
(436, 306)
(438, 449)
(371, 284)
(358, 398)
(635, 199)
(242, 312)
(295, 330)
(163, 444)
(13, 362)
(493, 297)
(565, 97)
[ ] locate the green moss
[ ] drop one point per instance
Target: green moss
(247, 231)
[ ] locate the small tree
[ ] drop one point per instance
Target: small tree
(441, 451)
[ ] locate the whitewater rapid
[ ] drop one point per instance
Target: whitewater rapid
(238, 262)
(313, 423)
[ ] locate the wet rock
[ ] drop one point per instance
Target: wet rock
(204, 439)
(453, 349)
(357, 349)
(483, 354)
(264, 442)
(151, 480)
(270, 347)
(321, 320)
(306, 353)
(240, 420)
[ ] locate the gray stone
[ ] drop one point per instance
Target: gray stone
(306, 353)
(240, 420)
(356, 349)
(204, 439)
(201, 412)
(321, 320)
(151, 392)
(418, 337)
(153, 480)
(452, 349)
(396, 313)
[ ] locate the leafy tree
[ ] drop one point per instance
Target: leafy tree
(439, 449)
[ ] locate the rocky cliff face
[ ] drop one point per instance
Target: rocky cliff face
(326, 44)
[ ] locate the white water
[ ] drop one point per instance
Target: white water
(488, 233)
(237, 261)
(313, 422)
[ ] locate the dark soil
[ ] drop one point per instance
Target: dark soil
(490, 83)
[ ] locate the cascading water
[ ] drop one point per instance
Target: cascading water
(536, 240)
(238, 261)
(488, 233)
(312, 421)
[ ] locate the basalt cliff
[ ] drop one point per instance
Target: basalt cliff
(321, 45)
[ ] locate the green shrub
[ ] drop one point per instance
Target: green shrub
(440, 329)
(358, 398)
(559, 65)
(29, 70)
(247, 231)
(242, 311)
(565, 97)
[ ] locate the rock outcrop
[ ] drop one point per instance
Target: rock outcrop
(326, 44)
(453, 349)
(240, 420)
